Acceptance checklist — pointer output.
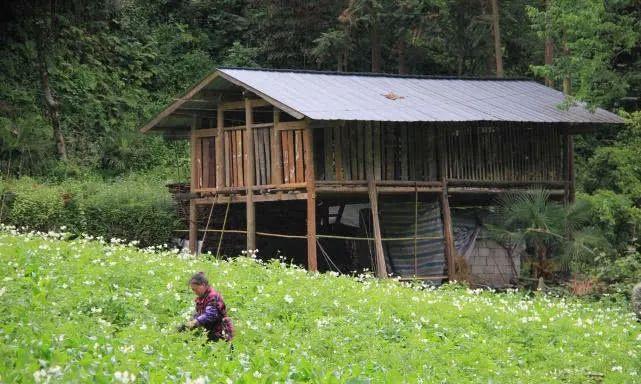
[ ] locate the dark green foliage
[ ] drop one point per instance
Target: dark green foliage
(132, 209)
(554, 236)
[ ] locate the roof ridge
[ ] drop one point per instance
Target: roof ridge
(379, 74)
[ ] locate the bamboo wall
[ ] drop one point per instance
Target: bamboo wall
(389, 151)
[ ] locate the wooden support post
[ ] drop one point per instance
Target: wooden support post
(193, 227)
(277, 153)
(249, 174)
(308, 152)
(193, 212)
(220, 156)
(447, 232)
(381, 269)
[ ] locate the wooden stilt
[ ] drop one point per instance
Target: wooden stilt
(308, 152)
(248, 149)
(193, 227)
(381, 269)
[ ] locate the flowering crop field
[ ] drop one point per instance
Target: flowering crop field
(94, 311)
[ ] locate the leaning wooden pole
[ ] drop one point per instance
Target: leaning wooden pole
(308, 152)
(249, 174)
(381, 269)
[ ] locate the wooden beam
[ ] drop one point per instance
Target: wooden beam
(249, 174)
(381, 269)
(447, 232)
(242, 104)
(177, 103)
(210, 132)
(291, 125)
(276, 152)
(220, 156)
(308, 152)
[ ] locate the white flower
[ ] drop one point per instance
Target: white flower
(617, 368)
(3, 290)
(124, 377)
(257, 374)
(288, 299)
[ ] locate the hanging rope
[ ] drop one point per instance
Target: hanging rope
(327, 258)
(211, 211)
(369, 245)
(220, 240)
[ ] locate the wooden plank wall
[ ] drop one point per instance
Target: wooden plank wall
(399, 151)
(503, 154)
(293, 162)
(405, 151)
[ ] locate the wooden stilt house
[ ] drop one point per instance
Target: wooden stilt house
(282, 138)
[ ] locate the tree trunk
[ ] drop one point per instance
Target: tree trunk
(549, 44)
(376, 48)
(52, 106)
(402, 60)
(498, 52)
(567, 79)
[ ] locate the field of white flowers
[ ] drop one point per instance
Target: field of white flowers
(94, 311)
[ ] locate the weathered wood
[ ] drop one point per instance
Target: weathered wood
(220, 155)
(285, 146)
(381, 269)
(193, 227)
(227, 156)
(291, 125)
(328, 151)
(376, 133)
(249, 175)
(205, 162)
(447, 232)
(254, 126)
(276, 152)
(312, 264)
(292, 156)
(338, 153)
(298, 145)
(206, 132)
(242, 104)
(176, 104)
(241, 161)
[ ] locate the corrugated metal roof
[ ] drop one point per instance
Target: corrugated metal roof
(344, 96)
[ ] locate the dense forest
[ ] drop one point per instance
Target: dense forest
(78, 78)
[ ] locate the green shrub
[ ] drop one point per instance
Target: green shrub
(39, 206)
(138, 208)
(636, 300)
(131, 210)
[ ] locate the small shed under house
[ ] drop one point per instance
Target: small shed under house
(376, 171)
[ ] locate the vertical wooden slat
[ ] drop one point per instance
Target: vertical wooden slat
(220, 147)
(308, 154)
(360, 141)
(205, 161)
(234, 159)
(403, 152)
(227, 157)
(376, 133)
(257, 169)
(292, 156)
(267, 139)
(285, 146)
(300, 175)
(211, 170)
(328, 154)
(249, 175)
(241, 162)
(447, 232)
(368, 151)
(338, 153)
(277, 152)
